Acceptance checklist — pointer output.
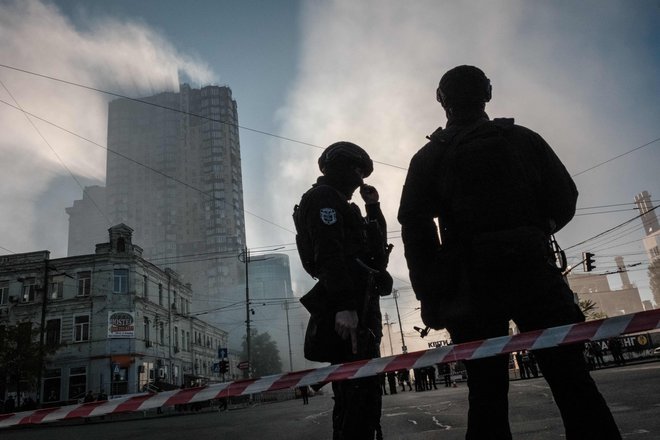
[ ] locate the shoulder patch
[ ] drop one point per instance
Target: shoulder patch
(328, 216)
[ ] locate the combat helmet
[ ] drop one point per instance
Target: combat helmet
(346, 152)
(463, 86)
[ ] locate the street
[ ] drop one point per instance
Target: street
(633, 393)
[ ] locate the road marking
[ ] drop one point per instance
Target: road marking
(437, 422)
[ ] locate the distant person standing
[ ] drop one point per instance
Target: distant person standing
(431, 375)
(597, 353)
(445, 371)
(616, 350)
(498, 192)
(521, 365)
(304, 393)
(404, 379)
(391, 380)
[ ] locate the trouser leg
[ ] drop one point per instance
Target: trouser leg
(583, 409)
(357, 409)
(488, 415)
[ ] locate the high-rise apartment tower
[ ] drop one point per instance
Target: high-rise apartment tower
(174, 176)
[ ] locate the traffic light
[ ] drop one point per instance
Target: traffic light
(224, 367)
(588, 261)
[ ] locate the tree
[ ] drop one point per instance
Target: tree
(590, 310)
(264, 355)
(21, 356)
(654, 280)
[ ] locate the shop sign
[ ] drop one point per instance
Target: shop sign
(121, 324)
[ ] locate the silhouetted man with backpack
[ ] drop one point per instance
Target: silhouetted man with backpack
(498, 192)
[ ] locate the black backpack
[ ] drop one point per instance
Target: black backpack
(303, 240)
(485, 187)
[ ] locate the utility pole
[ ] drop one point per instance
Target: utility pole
(246, 259)
(288, 333)
(389, 332)
(42, 331)
(395, 293)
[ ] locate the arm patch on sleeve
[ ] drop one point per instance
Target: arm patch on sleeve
(328, 216)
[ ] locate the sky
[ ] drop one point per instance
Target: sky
(585, 75)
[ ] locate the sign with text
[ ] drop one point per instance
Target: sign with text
(440, 343)
(121, 324)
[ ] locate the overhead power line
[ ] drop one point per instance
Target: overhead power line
(605, 212)
(55, 152)
(5, 249)
(142, 101)
(611, 229)
(610, 206)
(256, 131)
(186, 184)
(616, 157)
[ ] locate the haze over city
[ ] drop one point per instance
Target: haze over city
(307, 73)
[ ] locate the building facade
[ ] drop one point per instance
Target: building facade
(275, 310)
(122, 324)
(174, 175)
(596, 288)
(650, 223)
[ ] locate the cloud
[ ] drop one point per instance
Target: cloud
(368, 72)
(122, 56)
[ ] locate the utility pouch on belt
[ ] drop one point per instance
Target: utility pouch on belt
(322, 343)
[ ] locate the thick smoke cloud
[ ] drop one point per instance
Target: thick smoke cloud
(368, 73)
(125, 57)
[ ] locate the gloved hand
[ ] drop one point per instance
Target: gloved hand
(346, 323)
(369, 194)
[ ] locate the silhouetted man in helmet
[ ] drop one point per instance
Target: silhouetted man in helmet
(497, 191)
(348, 254)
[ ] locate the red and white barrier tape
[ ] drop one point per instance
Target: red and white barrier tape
(534, 340)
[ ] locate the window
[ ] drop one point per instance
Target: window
(162, 333)
(53, 331)
(147, 339)
(52, 384)
(29, 290)
(4, 292)
(176, 339)
(56, 288)
(160, 294)
(120, 284)
(84, 283)
(81, 328)
(145, 286)
(77, 382)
